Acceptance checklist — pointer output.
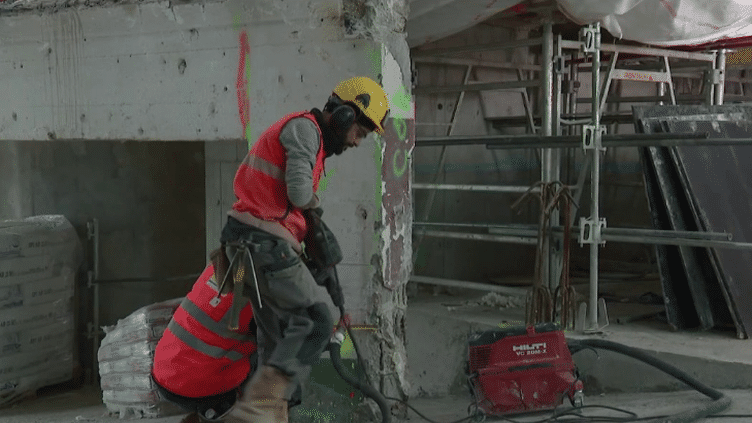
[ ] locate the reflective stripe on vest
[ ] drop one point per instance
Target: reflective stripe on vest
(259, 183)
(264, 166)
(219, 328)
(200, 345)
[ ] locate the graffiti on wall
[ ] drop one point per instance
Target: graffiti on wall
(396, 201)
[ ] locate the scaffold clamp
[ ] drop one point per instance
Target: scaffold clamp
(590, 233)
(591, 138)
(591, 40)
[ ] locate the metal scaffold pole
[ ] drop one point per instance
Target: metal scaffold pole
(591, 228)
(549, 258)
(720, 77)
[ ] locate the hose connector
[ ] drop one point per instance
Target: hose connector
(338, 337)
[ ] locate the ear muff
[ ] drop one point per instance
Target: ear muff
(343, 117)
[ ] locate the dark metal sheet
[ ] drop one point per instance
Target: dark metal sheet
(680, 310)
(707, 264)
(678, 216)
(720, 181)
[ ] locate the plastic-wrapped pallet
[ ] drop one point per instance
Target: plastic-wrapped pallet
(126, 357)
(39, 259)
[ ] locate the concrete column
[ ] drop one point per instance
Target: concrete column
(290, 59)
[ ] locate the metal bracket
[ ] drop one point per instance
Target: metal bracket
(559, 67)
(591, 39)
(592, 138)
(590, 233)
(581, 322)
(715, 76)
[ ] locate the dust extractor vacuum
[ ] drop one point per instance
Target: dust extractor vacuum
(510, 370)
(519, 370)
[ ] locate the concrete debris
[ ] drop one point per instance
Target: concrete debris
(496, 300)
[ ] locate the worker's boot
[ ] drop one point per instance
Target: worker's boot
(263, 400)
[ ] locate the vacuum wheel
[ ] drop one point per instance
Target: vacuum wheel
(578, 400)
(476, 416)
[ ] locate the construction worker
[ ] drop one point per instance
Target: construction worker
(199, 363)
(276, 209)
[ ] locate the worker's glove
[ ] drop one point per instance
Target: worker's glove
(328, 279)
(322, 247)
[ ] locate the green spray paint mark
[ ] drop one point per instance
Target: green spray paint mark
(401, 127)
(399, 170)
(375, 55)
(401, 100)
(325, 180)
(236, 21)
(317, 415)
(347, 350)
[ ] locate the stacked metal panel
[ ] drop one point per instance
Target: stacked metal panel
(704, 188)
(39, 260)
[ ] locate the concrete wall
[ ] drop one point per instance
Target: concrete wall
(223, 72)
(137, 72)
(148, 198)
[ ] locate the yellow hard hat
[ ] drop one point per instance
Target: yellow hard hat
(368, 96)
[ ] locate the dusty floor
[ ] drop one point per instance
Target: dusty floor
(84, 405)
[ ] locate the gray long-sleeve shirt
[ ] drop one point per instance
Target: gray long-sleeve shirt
(300, 138)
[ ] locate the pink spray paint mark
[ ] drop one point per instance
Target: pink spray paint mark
(669, 7)
(519, 9)
(244, 103)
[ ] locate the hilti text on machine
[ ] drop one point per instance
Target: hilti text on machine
(529, 349)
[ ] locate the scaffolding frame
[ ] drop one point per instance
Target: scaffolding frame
(558, 102)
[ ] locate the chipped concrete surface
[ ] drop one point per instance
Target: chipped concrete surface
(51, 6)
(375, 19)
(395, 229)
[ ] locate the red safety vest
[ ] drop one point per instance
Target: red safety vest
(198, 356)
(260, 181)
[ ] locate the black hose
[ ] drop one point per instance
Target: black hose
(368, 390)
(720, 401)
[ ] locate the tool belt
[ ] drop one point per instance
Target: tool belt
(243, 273)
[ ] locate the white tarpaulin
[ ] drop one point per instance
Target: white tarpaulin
(665, 22)
(431, 20)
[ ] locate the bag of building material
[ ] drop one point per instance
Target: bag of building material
(39, 260)
(126, 357)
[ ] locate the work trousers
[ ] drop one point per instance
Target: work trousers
(293, 321)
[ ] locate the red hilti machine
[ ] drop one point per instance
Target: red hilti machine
(521, 369)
